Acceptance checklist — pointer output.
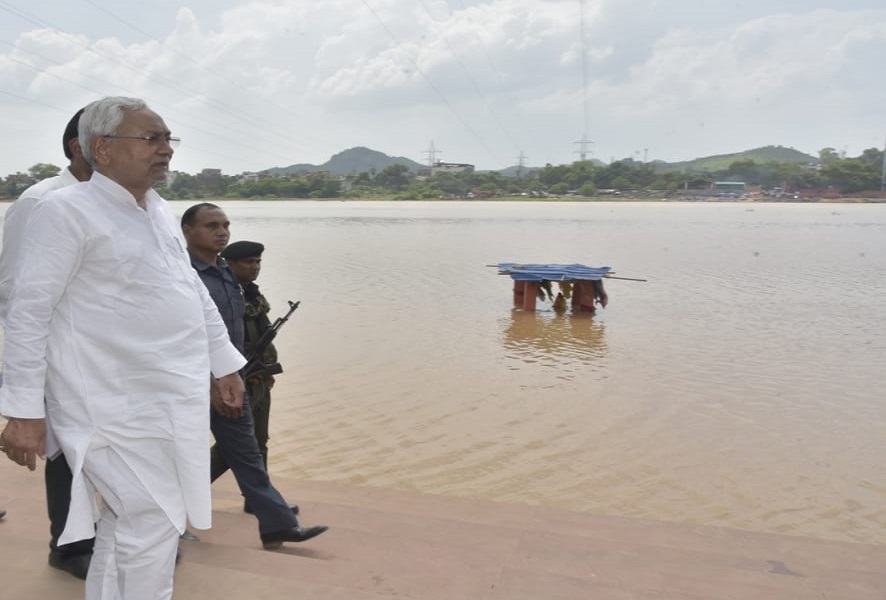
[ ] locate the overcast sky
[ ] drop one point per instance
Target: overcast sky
(253, 85)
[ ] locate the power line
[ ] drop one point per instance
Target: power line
(521, 163)
(584, 82)
(428, 80)
(240, 117)
(432, 154)
(214, 127)
(583, 145)
(182, 55)
(219, 121)
(56, 75)
(471, 80)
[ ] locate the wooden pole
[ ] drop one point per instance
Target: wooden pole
(530, 295)
(519, 292)
(583, 296)
(623, 278)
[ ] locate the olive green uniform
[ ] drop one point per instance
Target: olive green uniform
(258, 387)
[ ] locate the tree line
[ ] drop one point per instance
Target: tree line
(832, 174)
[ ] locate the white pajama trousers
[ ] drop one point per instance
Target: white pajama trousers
(135, 542)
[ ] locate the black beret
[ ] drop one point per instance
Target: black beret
(71, 133)
(242, 250)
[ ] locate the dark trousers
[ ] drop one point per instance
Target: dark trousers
(236, 449)
(58, 478)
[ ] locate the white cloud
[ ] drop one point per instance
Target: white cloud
(250, 85)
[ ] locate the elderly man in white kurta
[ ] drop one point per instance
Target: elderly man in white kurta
(108, 318)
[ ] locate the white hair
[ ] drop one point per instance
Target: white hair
(103, 117)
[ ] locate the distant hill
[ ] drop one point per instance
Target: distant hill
(349, 162)
(722, 161)
(521, 171)
(525, 171)
(362, 159)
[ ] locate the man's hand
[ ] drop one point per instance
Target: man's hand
(226, 395)
(23, 440)
(603, 299)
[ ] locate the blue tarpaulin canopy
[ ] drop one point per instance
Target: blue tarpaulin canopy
(534, 272)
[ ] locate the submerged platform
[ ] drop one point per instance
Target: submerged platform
(580, 284)
(552, 272)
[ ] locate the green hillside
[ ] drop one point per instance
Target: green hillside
(720, 162)
(360, 159)
(349, 162)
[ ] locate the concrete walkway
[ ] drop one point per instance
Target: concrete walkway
(388, 545)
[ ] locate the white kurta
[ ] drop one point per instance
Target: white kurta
(108, 317)
(14, 223)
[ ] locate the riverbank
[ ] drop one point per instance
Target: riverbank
(389, 545)
(621, 198)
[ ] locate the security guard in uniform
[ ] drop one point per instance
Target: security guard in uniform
(244, 259)
(206, 229)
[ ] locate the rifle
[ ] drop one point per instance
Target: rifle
(254, 365)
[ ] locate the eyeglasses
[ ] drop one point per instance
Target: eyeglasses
(150, 140)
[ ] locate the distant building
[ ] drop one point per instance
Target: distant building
(729, 189)
(347, 182)
(443, 167)
(209, 177)
(729, 186)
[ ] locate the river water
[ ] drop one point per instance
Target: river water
(740, 385)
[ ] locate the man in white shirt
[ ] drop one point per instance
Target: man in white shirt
(74, 557)
(110, 321)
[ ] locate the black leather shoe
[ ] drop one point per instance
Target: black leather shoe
(2, 513)
(75, 564)
(248, 509)
(294, 534)
(187, 535)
